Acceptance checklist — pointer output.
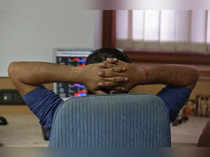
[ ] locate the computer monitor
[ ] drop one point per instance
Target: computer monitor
(71, 58)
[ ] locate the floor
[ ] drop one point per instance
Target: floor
(189, 132)
(24, 130)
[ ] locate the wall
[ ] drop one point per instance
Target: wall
(30, 29)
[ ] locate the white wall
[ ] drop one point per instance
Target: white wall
(30, 29)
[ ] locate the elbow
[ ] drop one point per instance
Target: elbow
(13, 70)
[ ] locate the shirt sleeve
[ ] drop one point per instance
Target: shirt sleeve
(175, 98)
(43, 103)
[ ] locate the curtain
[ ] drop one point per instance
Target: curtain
(164, 30)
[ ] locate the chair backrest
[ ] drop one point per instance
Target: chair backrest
(111, 122)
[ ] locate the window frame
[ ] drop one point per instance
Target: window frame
(146, 55)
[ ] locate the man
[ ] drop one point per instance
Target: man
(107, 71)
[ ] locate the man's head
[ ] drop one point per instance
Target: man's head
(102, 54)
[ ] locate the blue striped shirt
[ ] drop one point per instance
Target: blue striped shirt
(43, 103)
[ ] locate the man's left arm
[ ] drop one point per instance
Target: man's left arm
(172, 75)
(179, 81)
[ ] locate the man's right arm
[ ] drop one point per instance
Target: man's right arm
(27, 76)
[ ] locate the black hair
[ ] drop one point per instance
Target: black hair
(102, 54)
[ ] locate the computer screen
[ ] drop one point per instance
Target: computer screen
(71, 58)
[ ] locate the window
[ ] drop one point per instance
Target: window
(168, 30)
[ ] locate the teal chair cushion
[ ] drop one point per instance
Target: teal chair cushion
(111, 122)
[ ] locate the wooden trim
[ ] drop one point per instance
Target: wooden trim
(189, 58)
(109, 29)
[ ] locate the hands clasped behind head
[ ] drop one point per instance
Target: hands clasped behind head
(109, 75)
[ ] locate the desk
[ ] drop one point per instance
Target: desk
(23, 129)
